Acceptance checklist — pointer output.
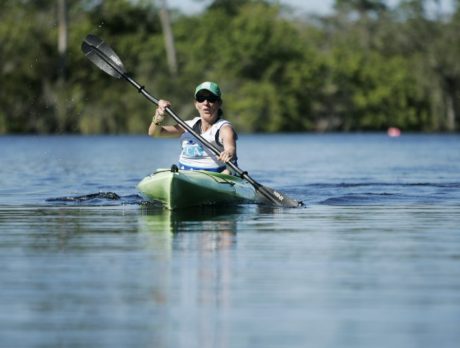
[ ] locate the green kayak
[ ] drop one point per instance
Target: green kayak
(178, 189)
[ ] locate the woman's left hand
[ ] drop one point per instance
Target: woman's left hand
(226, 156)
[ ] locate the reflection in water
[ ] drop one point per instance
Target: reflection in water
(197, 247)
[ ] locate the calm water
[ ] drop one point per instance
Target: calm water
(373, 260)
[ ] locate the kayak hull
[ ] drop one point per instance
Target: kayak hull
(184, 188)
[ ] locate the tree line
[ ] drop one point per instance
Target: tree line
(366, 66)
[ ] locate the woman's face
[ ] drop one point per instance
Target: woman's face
(208, 106)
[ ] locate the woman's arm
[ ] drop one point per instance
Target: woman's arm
(228, 136)
(159, 130)
(156, 128)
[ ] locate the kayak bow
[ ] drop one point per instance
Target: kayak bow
(177, 189)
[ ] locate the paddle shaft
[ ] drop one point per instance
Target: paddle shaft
(272, 195)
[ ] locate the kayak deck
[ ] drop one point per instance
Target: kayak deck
(177, 189)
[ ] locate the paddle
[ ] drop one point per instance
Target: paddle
(107, 60)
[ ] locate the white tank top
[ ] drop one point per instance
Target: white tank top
(195, 156)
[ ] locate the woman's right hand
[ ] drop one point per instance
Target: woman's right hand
(160, 111)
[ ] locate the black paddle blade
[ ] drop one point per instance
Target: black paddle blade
(270, 196)
(103, 56)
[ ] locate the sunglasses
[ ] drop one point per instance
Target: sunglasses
(210, 98)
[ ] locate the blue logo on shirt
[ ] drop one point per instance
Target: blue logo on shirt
(193, 150)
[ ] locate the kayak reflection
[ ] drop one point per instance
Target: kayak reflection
(205, 220)
(193, 268)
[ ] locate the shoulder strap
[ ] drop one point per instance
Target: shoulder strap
(197, 126)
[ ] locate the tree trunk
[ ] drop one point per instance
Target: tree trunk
(452, 104)
(168, 37)
(60, 92)
(62, 38)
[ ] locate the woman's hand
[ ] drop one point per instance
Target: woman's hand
(226, 156)
(160, 113)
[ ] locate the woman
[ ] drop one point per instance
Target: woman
(209, 125)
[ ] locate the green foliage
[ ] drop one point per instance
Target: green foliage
(365, 67)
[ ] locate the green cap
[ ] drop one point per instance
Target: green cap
(209, 86)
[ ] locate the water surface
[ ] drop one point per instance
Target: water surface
(373, 260)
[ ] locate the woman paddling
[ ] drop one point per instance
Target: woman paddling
(209, 125)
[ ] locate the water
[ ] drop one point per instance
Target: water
(373, 260)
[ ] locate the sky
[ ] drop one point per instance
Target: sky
(307, 6)
(318, 7)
